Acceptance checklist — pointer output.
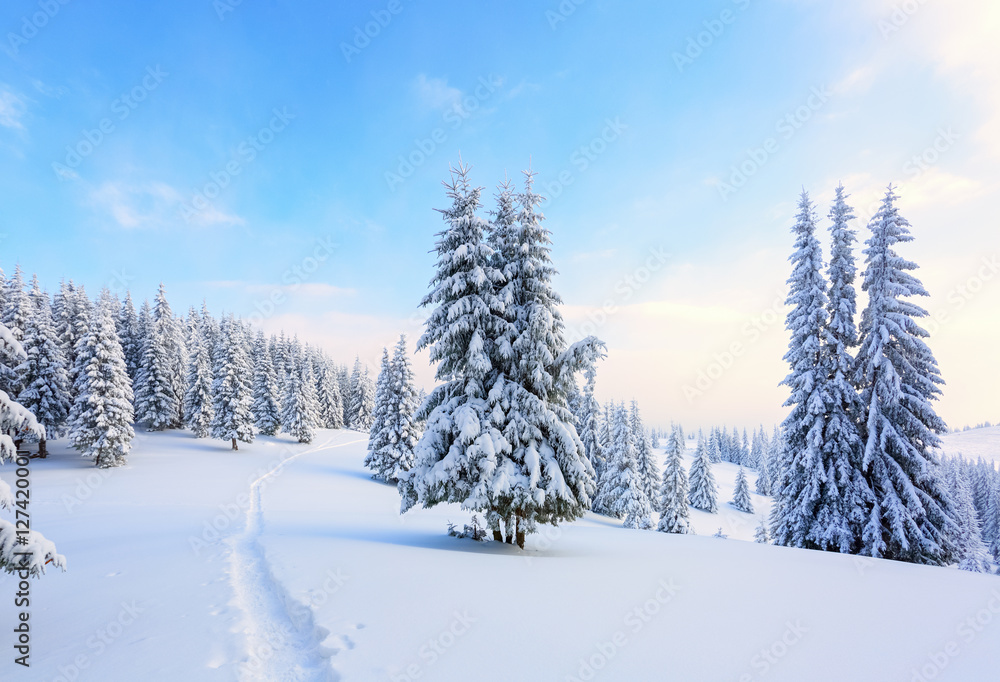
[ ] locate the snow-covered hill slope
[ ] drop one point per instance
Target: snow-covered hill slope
(310, 573)
(974, 443)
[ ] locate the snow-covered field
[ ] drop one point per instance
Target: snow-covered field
(199, 563)
(974, 443)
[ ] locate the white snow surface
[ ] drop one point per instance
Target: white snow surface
(311, 574)
(973, 444)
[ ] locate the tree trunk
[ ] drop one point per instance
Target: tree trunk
(235, 446)
(43, 452)
(497, 536)
(519, 528)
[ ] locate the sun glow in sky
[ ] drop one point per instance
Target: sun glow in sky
(281, 161)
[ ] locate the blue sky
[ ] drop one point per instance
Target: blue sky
(634, 118)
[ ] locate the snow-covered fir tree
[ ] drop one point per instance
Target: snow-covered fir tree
(379, 440)
(702, 491)
(461, 333)
(265, 408)
(769, 461)
(499, 436)
(644, 454)
(344, 383)
(714, 446)
(232, 418)
(198, 396)
(298, 417)
(62, 317)
(394, 431)
(590, 423)
(306, 359)
(756, 456)
(352, 394)
(741, 493)
(627, 499)
(157, 402)
(331, 407)
(842, 437)
(970, 552)
(362, 402)
(130, 336)
(536, 379)
(42, 374)
(672, 503)
(899, 378)
(20, 549)
(761, 534)
(101, 417)
(815, 489)
(992, 525)
(16, 312)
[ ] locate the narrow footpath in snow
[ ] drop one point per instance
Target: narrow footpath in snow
(282, 639)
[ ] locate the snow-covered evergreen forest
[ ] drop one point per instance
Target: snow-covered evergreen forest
(576, 341)
(513, 430)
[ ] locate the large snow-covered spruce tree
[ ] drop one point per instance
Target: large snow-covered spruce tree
(101, 417)
(899, 378)
(842, 446)
(815, 488)
(499, 436)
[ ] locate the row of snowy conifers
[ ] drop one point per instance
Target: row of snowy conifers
(93, 368)
(858, 473)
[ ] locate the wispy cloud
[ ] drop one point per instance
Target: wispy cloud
(151, 205)
(310, 289)
(435, 93)
(54, 91)
(12, 109)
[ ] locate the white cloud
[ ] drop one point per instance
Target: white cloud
(436, 94)
(151, 205)
(12, 109)
(54, 91)
(307, 289)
